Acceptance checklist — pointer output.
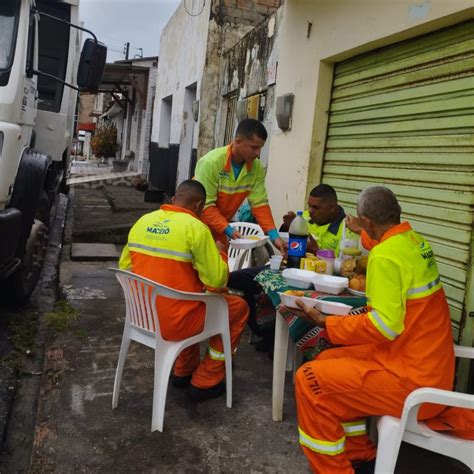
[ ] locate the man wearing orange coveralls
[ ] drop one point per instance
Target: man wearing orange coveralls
(173, 247)
(403, 343)
(232, 174)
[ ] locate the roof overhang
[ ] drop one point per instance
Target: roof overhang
(118, 77)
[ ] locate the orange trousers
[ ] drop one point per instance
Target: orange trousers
(334, 395)
(211, 370)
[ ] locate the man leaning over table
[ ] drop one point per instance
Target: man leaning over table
(174, 248)
(325, 221)
(232, 174)
(402, 343)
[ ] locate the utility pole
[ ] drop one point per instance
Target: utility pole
(126, 50)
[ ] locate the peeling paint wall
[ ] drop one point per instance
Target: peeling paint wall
(230, 21)
(191, 52)
(249, 68)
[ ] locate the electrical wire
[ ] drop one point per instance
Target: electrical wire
(193, 14)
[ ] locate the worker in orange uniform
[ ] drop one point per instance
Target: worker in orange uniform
(402, 343)
(174, 248)
(232, 174)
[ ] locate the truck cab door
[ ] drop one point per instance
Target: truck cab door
(30, 90)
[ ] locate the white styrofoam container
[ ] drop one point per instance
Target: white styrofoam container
(329, 284)
(332, 307)
(290, 300)
(302, 279)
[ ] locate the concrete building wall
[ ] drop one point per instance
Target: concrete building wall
(248, 69)
(191, 51)
(144, 166)
(182, 55)
(86, 107)
(314, 35)
(230, 21)
(138, 120)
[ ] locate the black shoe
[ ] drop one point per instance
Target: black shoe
(367, 467)
(181, 382)
(202, 394)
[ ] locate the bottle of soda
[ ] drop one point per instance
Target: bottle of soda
(298, 239)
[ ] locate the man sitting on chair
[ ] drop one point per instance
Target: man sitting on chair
(174, 248)
(402, 343)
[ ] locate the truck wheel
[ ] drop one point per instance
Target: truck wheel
(23, 282)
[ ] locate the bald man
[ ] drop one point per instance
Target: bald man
(403, 342)
(174, 248)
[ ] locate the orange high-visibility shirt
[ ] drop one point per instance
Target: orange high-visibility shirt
(173, 247)
(225, 192)
(408, 321)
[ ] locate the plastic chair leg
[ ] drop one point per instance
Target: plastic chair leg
(228, 369)
(118, 373)
(389, 440)
(163, 365)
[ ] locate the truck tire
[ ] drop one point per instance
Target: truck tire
(22, 283)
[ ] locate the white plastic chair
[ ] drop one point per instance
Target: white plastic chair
(241, 258)
(392, 431)
(142, 325)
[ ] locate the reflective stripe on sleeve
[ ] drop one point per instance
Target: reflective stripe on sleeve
(355, 428)
(381, 326)
(158, 250)
(427, 287)
(215, 354)
(330, 448)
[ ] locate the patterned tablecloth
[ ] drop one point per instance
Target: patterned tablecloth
(309, 339)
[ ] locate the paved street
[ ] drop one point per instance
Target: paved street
(77, 431)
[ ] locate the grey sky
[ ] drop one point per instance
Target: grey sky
(117, 21)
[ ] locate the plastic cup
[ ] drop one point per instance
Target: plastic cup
(275, 263)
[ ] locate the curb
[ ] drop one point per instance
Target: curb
(21, 412)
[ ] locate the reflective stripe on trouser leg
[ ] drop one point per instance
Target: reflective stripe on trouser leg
(330, 448)
(212, 370)
(355, 428)
(214, 354)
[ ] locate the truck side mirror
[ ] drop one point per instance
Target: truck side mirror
(91, 65)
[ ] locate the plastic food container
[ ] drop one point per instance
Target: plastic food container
(290, 300)
(302, 279)
(328, 257)
(330, 284)
(332, 307)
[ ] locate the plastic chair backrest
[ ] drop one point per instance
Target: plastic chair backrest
(140, 300)
(139, 310)
(246, 229)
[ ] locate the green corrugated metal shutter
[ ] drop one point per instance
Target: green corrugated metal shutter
(403, 116)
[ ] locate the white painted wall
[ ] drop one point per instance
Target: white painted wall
(340, 29)
(181, 63)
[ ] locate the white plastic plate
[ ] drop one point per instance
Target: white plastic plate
(355, 292)
(246, 244)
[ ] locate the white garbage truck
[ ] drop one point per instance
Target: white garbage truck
(41, 71)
